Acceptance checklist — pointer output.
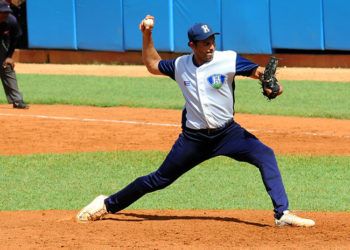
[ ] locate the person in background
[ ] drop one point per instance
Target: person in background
(9, 34)
(19, 10)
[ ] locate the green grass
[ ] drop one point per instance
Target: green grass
(301, 98)
(101, 91)
(70, 181)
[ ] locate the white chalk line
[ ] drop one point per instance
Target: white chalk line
(62, 118)
(66, 118)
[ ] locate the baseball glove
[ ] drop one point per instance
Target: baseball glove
(269, 82)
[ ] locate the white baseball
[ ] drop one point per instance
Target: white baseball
(148, 23)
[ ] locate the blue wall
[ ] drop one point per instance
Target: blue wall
(254, 26)
(186, 13)
(99, 26)
(51, 24)
(245, 28)
(162, 35)
(297, 25)
(337, 24)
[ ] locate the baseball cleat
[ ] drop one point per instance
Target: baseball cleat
(289, 219)
(94, 211)
(20, 105)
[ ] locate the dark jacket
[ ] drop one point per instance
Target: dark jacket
(9, 33)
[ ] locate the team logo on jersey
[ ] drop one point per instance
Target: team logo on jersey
(217, 80)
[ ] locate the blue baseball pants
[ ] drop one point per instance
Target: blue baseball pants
(195, 146)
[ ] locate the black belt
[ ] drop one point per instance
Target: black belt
(212, 131)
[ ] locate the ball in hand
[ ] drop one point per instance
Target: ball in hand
(148, 23)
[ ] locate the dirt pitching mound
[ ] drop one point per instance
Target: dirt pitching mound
(162, 229)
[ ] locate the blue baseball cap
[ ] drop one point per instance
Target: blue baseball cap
(200, 31)
(5, 7)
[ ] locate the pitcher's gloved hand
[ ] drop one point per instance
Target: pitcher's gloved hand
(269, 82)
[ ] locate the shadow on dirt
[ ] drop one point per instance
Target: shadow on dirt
(144, 217)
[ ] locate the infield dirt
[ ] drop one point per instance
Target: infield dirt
(59, 129)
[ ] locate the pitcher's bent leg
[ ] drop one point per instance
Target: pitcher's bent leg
(184, 155)
(265, 160)
(243, 146)
(135, 190)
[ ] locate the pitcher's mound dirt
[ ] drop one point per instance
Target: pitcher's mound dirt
(163, 229)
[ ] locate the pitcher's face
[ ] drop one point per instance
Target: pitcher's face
(204, 50)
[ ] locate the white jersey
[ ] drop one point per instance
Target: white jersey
(207, 89)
